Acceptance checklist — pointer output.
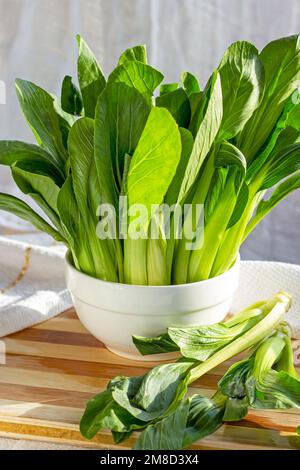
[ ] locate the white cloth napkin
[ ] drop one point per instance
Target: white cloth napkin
(34, 293)
(32, 284)
(261, 279)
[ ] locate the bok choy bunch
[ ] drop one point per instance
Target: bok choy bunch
(129, 136)
(156, 405)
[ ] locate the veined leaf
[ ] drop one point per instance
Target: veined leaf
(280, 192)
(190, 83)
(285, 163)
(66, 121)
(220, 206)
(158, 345)
(150, 396)
(138, 53)
(38, 108)
(132, 403)
(102, 412)
(281, 61)
(166, 434)
(200, 336)
(217, 186)
(74, 228)
(232, 384)
(202, 342)
(254, 382)
(90, 77)
(279, 389)
(242, 79)
(154, 161)
(32, 180)
(161, 386)
(15, 206)
(120, 118)
(88, 195)
(281, 137)
(231, 157)
(85, 181)
(192, 420)
(204, 417)
(13, 151)
(71, 101)
(138, 75)
(177, 103)
(99, 414)
(266, 387)
(187, 143)
(229, 163)
(205, 136)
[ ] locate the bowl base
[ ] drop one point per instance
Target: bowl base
(148, 358)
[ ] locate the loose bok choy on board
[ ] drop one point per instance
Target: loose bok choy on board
(129, 135)
(157, 404)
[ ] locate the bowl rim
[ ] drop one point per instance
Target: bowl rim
(71, 267)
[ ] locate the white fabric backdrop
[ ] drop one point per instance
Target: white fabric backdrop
(37, 42)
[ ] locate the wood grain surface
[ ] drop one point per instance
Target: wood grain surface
(53, 368)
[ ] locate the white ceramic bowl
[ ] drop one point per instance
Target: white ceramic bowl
(114, 312)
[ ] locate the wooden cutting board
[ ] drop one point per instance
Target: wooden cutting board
(52, 369)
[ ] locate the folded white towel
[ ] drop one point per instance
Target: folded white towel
(32, 284)
(261, 279)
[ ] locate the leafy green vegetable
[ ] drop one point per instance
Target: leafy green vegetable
(71, 100)
(138, 53)
(240, 70)
(155, 159)
(201, 342)
(205, 132)
(15, 206)
(161, 435)
(199, 162)
(121, 116)
(187, 143)
(178, 104)
(160, 344)
(38, 108)
(14, 151)
(74, 228)
(190, 83)
(281, 62)
(90, 77)
(156, 405)
(141, 76)
(263, 381)
(87, 194)
(32, 180)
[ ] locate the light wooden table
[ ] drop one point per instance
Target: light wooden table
(52, 369)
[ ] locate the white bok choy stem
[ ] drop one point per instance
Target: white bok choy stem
(275, 310)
